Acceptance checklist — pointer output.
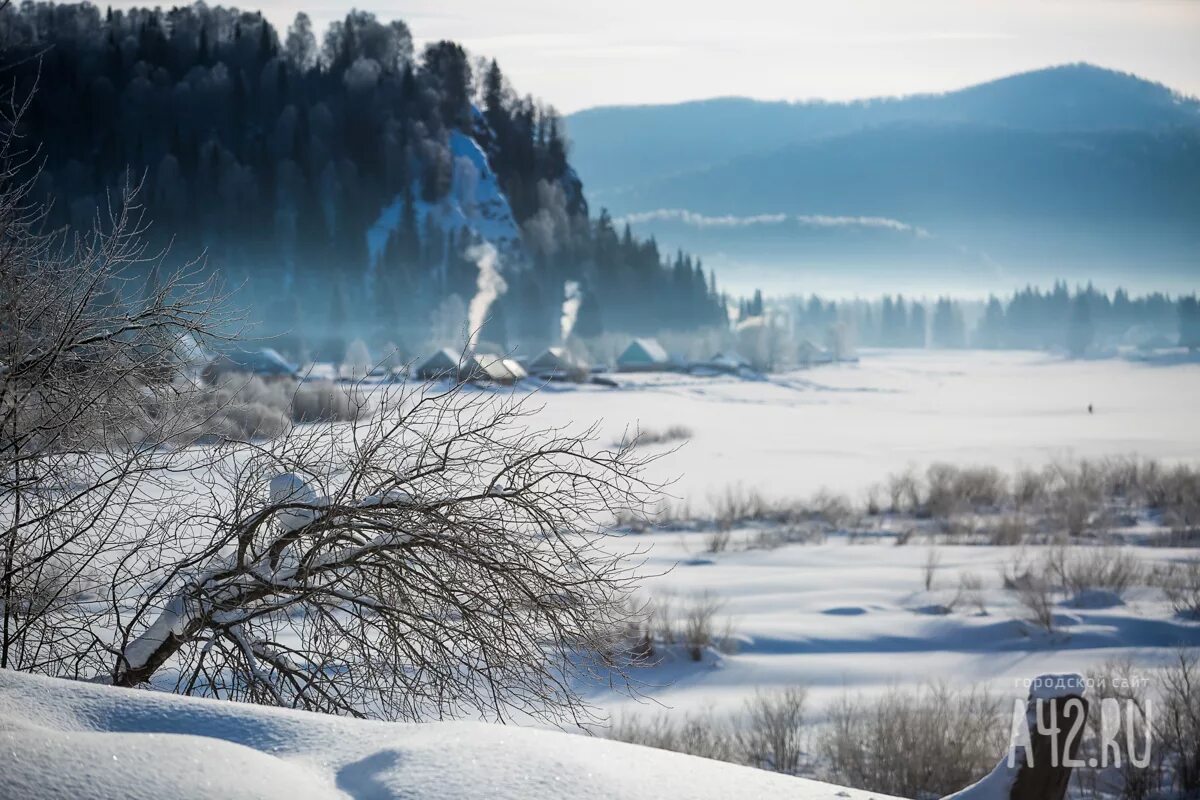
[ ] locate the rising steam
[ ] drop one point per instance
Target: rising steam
(488, 286)
(572, 297)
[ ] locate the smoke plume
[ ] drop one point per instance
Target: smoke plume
(572, 297)
(488, 286)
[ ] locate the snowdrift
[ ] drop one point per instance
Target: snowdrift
(67, 739)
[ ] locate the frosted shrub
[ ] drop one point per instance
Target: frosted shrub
(324, 401)
(700, 734)
(1119, 681)
(1181, 584)
(904, 490)
(919, 743)
(691, 622)
(958, 489)
(699, 630)
(1010, 529)
(1178, 729)
(772, 729)
(1080, 569)
(246, 422)
(1036, 596)
(649, 436)
(717, 540)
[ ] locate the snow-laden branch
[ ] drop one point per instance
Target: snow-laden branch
(436, 558)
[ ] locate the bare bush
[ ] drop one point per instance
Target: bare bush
(1121, 717)
(969, 593)
(1178, 731)
(904, 491)
(834, 509)
(933, 560)
(1181, 584)
(246, 408)
(1105, 568)
(690, 621)
(1036, 597)
(912, 743)
(1075, 494)
(437, 558)
(96, 336)
(1028, 488)
(772, 729)
(646, 437)
(699, 629)
(1009, 530)
(953, 489)
(784, 534)
(717, 540)
(702, 734)
(1177, 494)
(325, 401)
(1073, 497)
(736, 504)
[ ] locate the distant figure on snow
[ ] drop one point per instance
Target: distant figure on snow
(1089, 408)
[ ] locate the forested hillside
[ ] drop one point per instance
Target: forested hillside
(341, 182)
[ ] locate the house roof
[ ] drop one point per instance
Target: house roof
(263, 361)
(441, 360)
(556, 358)
(513, 366)
(496, 368)
(644, 350)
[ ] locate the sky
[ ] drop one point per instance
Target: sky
(574, 55)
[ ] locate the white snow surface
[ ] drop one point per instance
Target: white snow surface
(853, 617)
(79, 740)
(845, 427)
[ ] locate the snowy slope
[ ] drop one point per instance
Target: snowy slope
(66, 739)
(475, 201)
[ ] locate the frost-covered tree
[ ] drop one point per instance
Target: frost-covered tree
(446, 558)
(93, 391)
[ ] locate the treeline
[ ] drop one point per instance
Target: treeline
(1077, 321)
(276, 154)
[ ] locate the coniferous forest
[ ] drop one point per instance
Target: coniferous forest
(279, 156)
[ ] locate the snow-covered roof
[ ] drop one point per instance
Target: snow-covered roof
(263, 361)
(556, 358)
(444, 360)
(514, 366)
(643, 350)
(493, 367)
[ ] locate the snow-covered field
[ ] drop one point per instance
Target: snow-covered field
(850, 616)
(846, 427)
(846, 614)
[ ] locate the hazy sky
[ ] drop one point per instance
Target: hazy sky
(574, 54)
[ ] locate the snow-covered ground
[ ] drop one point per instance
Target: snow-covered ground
(81, 741)
(845, 427)
(853, 616)
(843, 614)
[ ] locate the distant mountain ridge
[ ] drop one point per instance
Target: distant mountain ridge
(1063, 172)
(1072, 97)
